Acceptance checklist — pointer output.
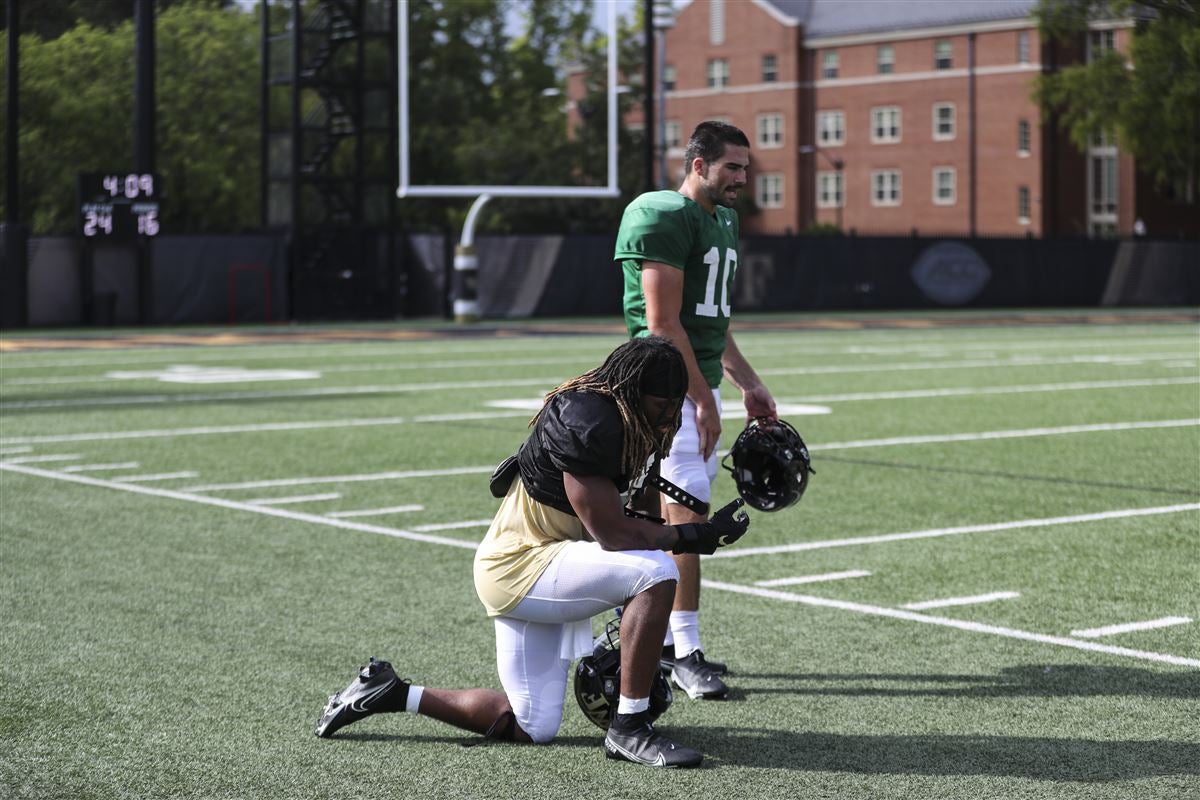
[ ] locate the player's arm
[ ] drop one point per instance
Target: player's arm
(662, 286)
(598, 505)
(755, 395)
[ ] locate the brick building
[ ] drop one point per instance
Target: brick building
(891, 116)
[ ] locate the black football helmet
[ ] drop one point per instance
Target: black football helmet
(770, 464)
(598, 681)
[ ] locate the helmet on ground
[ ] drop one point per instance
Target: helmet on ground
(770, 464)
(598, 681)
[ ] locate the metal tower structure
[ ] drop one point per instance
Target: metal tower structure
(329, 152)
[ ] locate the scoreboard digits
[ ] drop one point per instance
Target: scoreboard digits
(114, 205)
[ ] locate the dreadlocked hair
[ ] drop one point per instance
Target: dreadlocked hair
(620, 377)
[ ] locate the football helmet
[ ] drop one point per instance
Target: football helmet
(770, 464)
(598, 681)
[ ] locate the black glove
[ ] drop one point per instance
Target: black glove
(725, 527)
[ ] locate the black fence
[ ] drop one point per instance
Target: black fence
(384, 275)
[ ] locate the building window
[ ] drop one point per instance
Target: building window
(1099, 43)
(885, 59)
(1023, 47)
(885, 124)
(829, 64)
(770, 68)
(770, 190)
(1023, 215)
(1103, 185)
(829, 190)
(769, 129)
(885, 187)
(718, 73)
(831, 128)
(671, 134)
(943, 121)
(943, 54)
(668, 78)
(1024, 140)
(944, 180)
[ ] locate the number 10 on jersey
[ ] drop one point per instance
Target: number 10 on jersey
(718, 273)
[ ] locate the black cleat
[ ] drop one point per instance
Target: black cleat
(375, 690)
(632, 738)
(700, 681)
(666, 662)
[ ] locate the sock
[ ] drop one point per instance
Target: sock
(628, 706)
(685, 626)
(413, 704)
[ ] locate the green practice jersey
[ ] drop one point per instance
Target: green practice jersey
(669, 228)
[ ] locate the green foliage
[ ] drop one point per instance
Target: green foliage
(1151, 101)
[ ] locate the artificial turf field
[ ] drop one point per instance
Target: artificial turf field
(989, 590)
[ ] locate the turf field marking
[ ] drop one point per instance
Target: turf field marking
(283, 501)
(100, 467)
(741, 552)
(377, 476)
(12, 451)
(1010, 434)
(973, 391)
(161, 476)
(374, 512)
(548, 382)
(960, 601)
(467, 545)
(449, 526)
(44, 459)
(974, 627)
(1129, 627)
(296, 516)
(828, 576)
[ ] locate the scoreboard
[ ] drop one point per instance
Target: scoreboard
(118, 205)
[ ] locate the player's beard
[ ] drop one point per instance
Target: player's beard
(717, 193)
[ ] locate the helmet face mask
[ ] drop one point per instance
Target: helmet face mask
(598, 681)
(770, 464)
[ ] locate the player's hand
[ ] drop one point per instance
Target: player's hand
(726, 526)
(759, 403)
(708, 428)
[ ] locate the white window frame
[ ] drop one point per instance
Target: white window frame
(831, 191)
(718, 73)
(1024, 54)
(772, 183)
(938, 173)
(885, 59)
(1099, 42)
(1024, 138)
(672, 133)
(938, 46)
(893, 133)
(670, 76)
(892, 197)
(770, 75)
(1024, 205)
(830, 64)
(938, 136)
(769, 130)
(832, 122)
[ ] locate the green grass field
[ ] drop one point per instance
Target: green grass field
(989, 590)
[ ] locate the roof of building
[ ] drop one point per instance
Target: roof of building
(847, 17)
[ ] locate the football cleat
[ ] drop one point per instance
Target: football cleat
(666, 662)
(694, 676)
(375, 690)
(632, 737)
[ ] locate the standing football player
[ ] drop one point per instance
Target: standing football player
(560, 550)
(678, 251)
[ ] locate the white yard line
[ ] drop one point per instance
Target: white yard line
(374, 512)
(1129, 627)
(796, 547)
(283, 501)
(377, 476)
(551, 381)
(974, 627)
(467, 545)
(161, 476)
(101, 467)
(977, 391)
(1025, 433)
(44, 459)
(947, 602)
(828, 576)
(12, 451)
(449, 526)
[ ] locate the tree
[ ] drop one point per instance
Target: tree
(1149, 97)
